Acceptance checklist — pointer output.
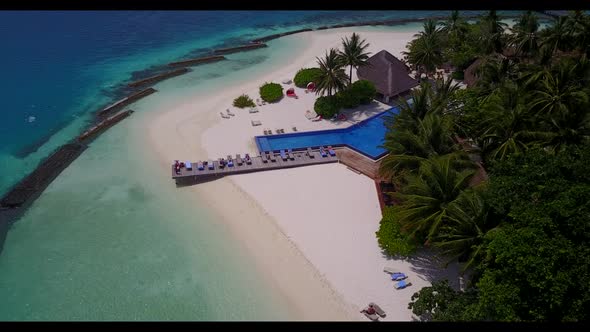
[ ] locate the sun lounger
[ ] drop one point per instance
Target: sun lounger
(283, 155)
(372, 317)
(272, 157)
(294, 128)
(230, 162)
(390, 270)
(402, 284)
(229, 112)
(331, 151)
(256, 123)
(239, 160)
(310, 153)
(291, 155)
(221, 163)
(263, 156)
(253, 110)
(200, 166)
(378, 309)
(210, 164)
(258, 102)
(323, 152)
(188, 166)
(248, 159)
(398, 276)
(310, 115)
(319, 117)
(225, 116)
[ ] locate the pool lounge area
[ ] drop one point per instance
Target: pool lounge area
(365, 137)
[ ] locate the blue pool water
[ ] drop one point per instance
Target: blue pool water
(365, 137)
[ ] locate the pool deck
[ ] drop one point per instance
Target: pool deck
(300, 159)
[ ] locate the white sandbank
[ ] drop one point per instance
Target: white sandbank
(311, 230)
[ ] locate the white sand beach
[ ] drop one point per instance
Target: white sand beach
(310, 229)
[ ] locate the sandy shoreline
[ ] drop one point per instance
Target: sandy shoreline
(311, 230)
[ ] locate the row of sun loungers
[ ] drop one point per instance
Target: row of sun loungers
(229, 162)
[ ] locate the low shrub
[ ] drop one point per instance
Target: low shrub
(348, 98)
(327, 106)
(306, 75)
(458, 75)
(271, 92)
(390, 236)
(364, 90)
(244, 101)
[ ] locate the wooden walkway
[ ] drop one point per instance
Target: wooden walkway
(300, 159)
(358, 162)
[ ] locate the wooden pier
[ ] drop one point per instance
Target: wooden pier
(300, 159)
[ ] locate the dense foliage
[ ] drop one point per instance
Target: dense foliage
(327, 106)
(244, 101)
(271, 92)
(496, 176)
(390, 237)
(306, 75)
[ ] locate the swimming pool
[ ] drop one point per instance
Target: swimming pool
(365, 137)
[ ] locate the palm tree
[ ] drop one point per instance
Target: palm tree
(353, 53)
(333, 77)
(443, 94)
(493, 72)
(469, 219)
(578, 28)
(492, 33)
(427, 196)
(425, 53)
(507, 126)
(455, 27)
(556, 95)
(525, 37)
(556, 37)
(408, 148)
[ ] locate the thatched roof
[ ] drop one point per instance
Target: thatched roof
(388, 73)
(469, 76)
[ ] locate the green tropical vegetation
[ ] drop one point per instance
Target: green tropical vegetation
(495, 176)
(243, 101)
(306, 75)
(358, 93)
(271, 92)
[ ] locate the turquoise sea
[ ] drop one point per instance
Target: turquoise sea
(110, 238)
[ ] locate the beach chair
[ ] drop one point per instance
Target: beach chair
(402, 284)
(200, 166)
(239, 160)
(225, 116)
(253, 110)
(398, 276)
(372, 317)
(323, 152)
(230, 162)
(318, 118)
(310, 115)
(283, 154)
(248, 159)
(291, 155)
(229, 112)
(331, 151)
(294, 128)
(378, 309)
(310, 153)
(221, 163)
(188, 166)
(256, 123)
(258, 102)
(263, 156)
(272, 156)
(210, 165)
(390, 270)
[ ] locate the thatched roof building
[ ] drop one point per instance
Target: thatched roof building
(389, 74)
(469, 75)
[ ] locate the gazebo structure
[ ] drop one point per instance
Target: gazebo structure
(389, 75)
